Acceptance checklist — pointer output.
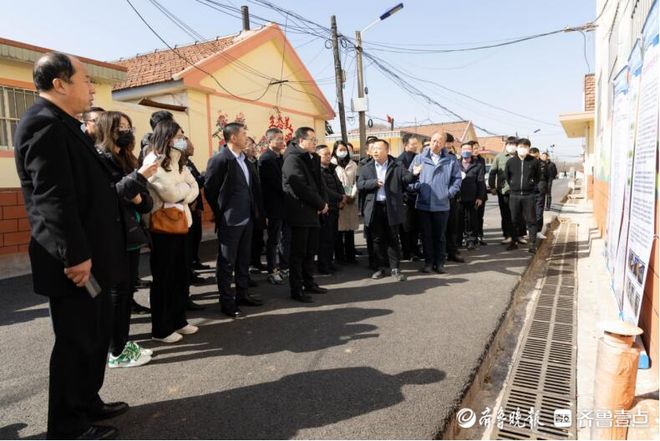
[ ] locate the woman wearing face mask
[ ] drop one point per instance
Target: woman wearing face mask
(172, 186)
(473, 193)
(348, 216)
(114, 133)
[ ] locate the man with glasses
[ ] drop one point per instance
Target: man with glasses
(89, 119)
(304, 200)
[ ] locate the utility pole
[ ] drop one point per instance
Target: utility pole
(339, 79)
(360, 81)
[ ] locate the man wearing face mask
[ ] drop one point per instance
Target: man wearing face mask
(499, 186)
(523, 173)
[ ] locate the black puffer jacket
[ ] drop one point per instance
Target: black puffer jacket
(524, 176)
(333, 187)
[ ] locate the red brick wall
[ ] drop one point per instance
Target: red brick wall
(14, 226)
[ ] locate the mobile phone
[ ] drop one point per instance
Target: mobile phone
(92, 286)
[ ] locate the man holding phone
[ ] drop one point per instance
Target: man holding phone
(77, 241)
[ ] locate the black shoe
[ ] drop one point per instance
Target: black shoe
(396, 274)
(200, 266)
(378, 274)
(136, 308)
(143, 284)
(416, 259)
(248, 300)
(252, 283)
(532, 250)
(482, 242)
(195, 279)
(99, 432)
(512, 246)
(107, 410)
(257, 269)
(192, 306)
(303, 298)
(426, 269)
(440, 269)
(315, 289)
(455, 258)
(232, 311)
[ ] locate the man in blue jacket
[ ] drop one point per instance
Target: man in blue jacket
(439, 180)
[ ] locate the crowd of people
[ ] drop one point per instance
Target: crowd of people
(94, 204)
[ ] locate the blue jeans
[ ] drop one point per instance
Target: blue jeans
(433, 226)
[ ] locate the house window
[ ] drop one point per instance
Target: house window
(13, 104)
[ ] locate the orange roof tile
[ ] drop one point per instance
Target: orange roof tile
(493, 143)
(160, 66)
(457, 128)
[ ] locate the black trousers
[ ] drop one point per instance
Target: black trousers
(195, 235)
(121, 296)
(505, 214)
(257, 243)
(387, 245)
(481, 212)
(278, 244)
(410, 232)
(540, 208)
(234, 247)
(171, 283)
(523, 209)
(548, 195)
(469, 221)
(433, 225)
(327, 238)
(304, 245)
(368, 236)
(345, 246)
(82, 328)
(453, 226)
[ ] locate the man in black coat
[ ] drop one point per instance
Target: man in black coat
(409, 229)
(233, 192)
(304, 200)
(279, 236)
(551, 175)
(77, 236)
(330, 221)
(523, 173)
(384, 181)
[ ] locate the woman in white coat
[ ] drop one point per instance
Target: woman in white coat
(348, 216)
(172, 186)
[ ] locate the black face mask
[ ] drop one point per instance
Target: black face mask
(124, 139)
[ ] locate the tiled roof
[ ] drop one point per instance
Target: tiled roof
(160, 66)
(492, 143)
(457, 128)
(589, 92)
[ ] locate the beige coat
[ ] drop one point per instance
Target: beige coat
(348, 216)
(172, 187)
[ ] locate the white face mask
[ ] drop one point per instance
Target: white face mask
(510, 148)
(180, 144)
(523, 151)
(341, 154)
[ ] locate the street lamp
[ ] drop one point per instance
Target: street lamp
(361, 104)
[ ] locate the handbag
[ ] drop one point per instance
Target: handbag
(169, 220)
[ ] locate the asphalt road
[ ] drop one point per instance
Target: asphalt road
(370, 359)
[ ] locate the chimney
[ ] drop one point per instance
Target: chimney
(246, 18)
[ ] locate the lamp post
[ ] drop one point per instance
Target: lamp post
(361, 104)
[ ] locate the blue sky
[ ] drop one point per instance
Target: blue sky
(539, 79)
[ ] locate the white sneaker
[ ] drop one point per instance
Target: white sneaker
(136, 348)
(127, 359)
(540, 236)
(522, 240)
(172, 338)
(506, 241)
(188, 330)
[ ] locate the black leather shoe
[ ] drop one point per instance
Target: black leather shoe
(426, 269)
(99, 432)
(455, 258)
(136, 308)
(143, 284)
(200, 266)
(304, 298)
(512, 246)
(232, 312)
(315, 289)
(248, 300)
(107, 410)
(440, 269)
(192, 306)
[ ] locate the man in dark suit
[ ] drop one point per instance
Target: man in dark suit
(383, 182)
(76, 236)
(304, 200)
(279, 236)
(233, 191)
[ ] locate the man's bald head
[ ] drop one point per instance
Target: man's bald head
(51, 66)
